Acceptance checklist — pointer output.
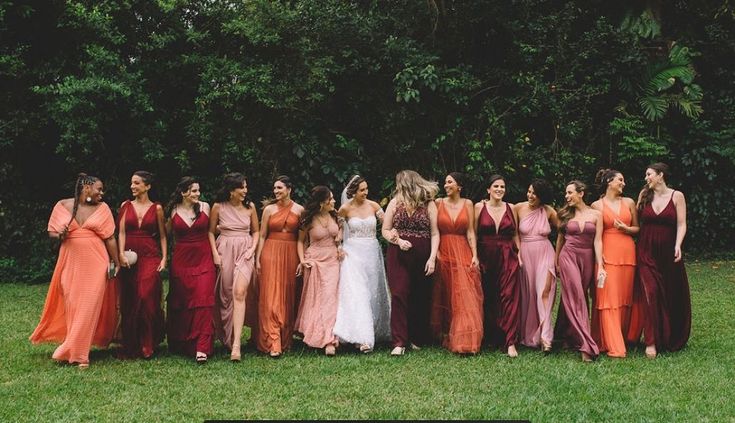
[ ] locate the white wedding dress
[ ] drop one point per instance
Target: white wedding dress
(363, 311)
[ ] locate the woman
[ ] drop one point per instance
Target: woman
(142, 230)
(667, 304)
(578, 248)
(613, 300)
(411, 229)
(363, 307)
(235, 218)
(190, 326)
(457, 301)
(277, 262)
(537, 276)
(81, 305)
(319, 262)
(497, 248)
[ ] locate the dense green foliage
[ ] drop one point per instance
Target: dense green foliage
(320, 89)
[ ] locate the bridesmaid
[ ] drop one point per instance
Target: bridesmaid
(190, 326)
(319, 262)
(457, 301)
(611, 315)
(578, 248)
(235, 218)
(278, 261)
(667, 304)
(497, 248)
(535, 219)
(81, 305)
(142, 230)
(411, 229)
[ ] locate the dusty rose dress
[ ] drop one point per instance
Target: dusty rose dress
(318, 307)
(81, 304)
(233, 241)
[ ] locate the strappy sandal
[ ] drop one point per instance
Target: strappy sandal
(398, 351)
(365, 348)
(83, 365)
(201, 358)
(274, 354)
(330, 350)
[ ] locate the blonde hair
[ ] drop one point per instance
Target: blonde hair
(412, 190)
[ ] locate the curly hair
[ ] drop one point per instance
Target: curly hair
(412, 190)
(566, 213)
(603, 179)
(82, 180)
(646, 196)
(319, 195)
(175, 199)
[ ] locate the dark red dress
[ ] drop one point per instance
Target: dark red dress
(667, 305)
(190, 326)
(499, 264)
(140, 285)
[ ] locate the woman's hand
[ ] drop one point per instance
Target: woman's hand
(249, 253)
(404, 245)
(677, 254)
(429, 268)
(217, 261)
(475, 262)
(124, 261)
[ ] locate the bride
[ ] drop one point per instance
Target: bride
(363, 313)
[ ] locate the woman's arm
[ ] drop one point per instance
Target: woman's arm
(431, 262)
(112, 251)
(516, 235)
(300, 251)
(213, 222)
(163, 238)
(681, 223)
(598, 243)
(263, 235)
(471, 234)
(121, 235)
(254, 231)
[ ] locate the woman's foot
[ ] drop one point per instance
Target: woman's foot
(586, 357)
(415, 347)
(201, 357)
(235, 354)
(398, 351)
(330, 350)
(651, 352)
(83, 365)
(365, 348)
(275, 354)
(512, 352)
(546, 347)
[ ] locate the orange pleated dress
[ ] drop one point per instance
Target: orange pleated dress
(456, 316)
(277, 284)
(613, 300)
(81, 304)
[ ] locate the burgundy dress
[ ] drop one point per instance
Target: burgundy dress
(667, 305)
(140, 288)
(190, 325)
(499, 264)
(410, 288)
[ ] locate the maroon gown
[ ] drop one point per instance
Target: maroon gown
(140, 288)
(666, 301)
(498, 258)
(190, 326)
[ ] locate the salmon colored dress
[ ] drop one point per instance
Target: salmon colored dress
(277, 284)
(613, 300)
(81, 304)
(456, 316)
(318, 309)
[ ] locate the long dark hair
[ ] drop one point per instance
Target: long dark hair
(319, 194)
(543, 191)
(460, 179)
(567, 212)
(646, 192)
(148, 179)
(175, 199)
(603, 179)
(231, 182)
(285, 180)
(82, 180)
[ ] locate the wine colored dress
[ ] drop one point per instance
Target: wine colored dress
(538, 266)
(577, 274)
(277, 285)
(410, 288)
(456, 316)
(190, 325)
(667, 307)
(499, 264)
(142, 320)
(318, 308)
(81, 304)
(233, 241)
(613, 300)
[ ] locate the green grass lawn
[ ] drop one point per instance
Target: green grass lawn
(695, 384)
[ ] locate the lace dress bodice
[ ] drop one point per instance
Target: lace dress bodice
(362, 227)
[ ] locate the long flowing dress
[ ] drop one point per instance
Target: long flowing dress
(499, 264)
(190, 325)
(363, 308)
(538, 267)
(410, 288)
(456, 316)
(142, 320)
(277, 285)
(577, 273)
(613, 300)
(667, 307)
(318, 307)
(233, 241)
(81, 304)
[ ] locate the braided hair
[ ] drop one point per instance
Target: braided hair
(82, 180)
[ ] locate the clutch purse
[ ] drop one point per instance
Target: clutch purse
(132, 256)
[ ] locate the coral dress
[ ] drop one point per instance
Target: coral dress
(81, 304)
(577, 273)
(499, 263)
(233, 241)
(667, 303)
(142, 320)
(613, 300)
(190, 325)
(277, 285)
(538, 266)
(318, 308)
(457, 301)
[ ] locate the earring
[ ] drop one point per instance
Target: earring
(88, 199)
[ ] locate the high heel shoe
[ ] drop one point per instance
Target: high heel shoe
(398, 351)
(545, 348)
(275, 354)
(330, 351)
(586, 358)
(235, 355)
(651, 352)
(365, 348)
(512, 352)
(201, 358)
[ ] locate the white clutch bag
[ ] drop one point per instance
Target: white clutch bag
(132, 256)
